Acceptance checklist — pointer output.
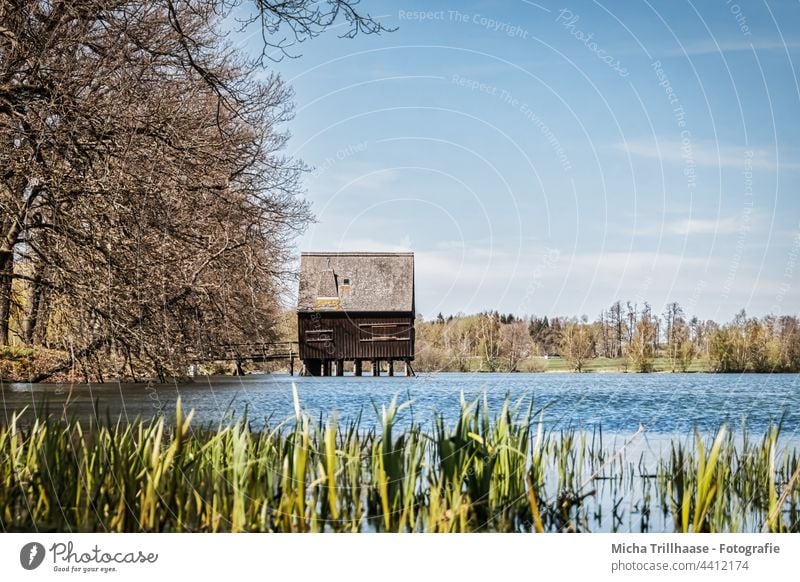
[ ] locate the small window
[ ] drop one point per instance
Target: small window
(346, 281)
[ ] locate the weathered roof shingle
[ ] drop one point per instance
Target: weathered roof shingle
(377, 282)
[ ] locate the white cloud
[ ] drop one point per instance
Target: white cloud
(715, 46)
(477, 269)
(721, 225)
(544, 281)
(689, 226)
(373, 180)
(703, 153)
(348, 175)
(627, 269)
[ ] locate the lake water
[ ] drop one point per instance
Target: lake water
(667, 404)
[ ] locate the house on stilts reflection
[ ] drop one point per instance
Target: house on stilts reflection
(355, 308)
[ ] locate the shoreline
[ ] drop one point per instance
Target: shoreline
(188, 380)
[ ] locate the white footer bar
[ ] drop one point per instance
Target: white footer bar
(385, 557)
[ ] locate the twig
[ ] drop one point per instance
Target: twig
(611, 460)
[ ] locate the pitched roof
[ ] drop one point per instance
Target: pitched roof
(377, 282)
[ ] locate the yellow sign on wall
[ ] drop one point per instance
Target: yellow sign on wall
(328, 303)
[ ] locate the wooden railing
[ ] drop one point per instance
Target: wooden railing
(253, 351)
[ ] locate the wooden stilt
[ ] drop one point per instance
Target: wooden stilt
(357, 367)
(376, 367)
(313, 367)
(340, 367)
(391, 367)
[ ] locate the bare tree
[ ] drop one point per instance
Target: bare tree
(515, 343)
(577, 344)
(640, 350)
(489, 339)
(147, 209)
(283, 25)
(617, 323)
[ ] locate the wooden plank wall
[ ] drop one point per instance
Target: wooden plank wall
(349, 336)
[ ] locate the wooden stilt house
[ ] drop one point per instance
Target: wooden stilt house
(355, 307)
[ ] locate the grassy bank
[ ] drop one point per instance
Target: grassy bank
(618, 365)
(501, 473)
(20, 364)
(558, 364)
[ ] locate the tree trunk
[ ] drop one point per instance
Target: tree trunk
(12, 229)
(34, 304)
(6, 272)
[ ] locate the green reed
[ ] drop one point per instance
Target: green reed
(482, 472)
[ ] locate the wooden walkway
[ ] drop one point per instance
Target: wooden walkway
(252, 352)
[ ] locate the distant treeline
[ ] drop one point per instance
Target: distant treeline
(633, 335)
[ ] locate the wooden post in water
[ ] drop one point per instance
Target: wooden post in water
(357, 367)
(391, 367)
(340, 367)
(376, 367)
(313, 367)
(291, 362)
(326, 367)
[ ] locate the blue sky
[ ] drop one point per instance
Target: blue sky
(552, 158)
